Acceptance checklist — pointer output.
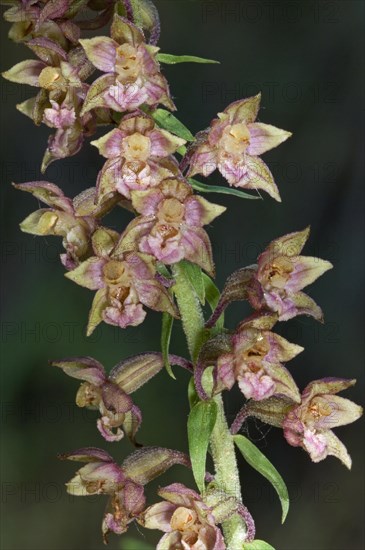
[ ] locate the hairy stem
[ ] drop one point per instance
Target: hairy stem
(221, 443)
(227, 477)
(190, 311)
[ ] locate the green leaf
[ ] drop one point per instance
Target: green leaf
(167, 322)
(201, 422)
(212, 295)
(195, 276)
(259, 462)
(257, 545)
(192, 394)
(206, 188)
(173, 59)
(169, 122)
(128, 543)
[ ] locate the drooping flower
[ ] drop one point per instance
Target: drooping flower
(233, 143)
(255, 361)
(111, 394)
(124, 484)
(60, 77)
(133, 74)
(61, 219)
(171, 225)
(309, 425)
(281, 275)
(187, 521)
(33, 19)
(124, 281)
(139, 156)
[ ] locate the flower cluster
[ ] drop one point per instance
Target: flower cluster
(164, 253)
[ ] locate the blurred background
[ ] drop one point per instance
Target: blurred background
(305, 58)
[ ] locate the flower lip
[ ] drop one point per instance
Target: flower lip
(235, 138)
(116, 273)
(136, 147)
(183, 519)
(171, 211)
(50, 78)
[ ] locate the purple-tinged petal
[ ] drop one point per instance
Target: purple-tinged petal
(107, 431)
(158, 516)
(225, 374)
(202, 161)
(256, 386)
(199, 211)
(133, 233)
(25, 72)
(244, 110)
(197, 248)
(252, 173)
(123, 97)
(101, 50)
(304, 305)
(264, 137)
(146, 202)
(110, 144)
(170, 541)
(83, 368)
(178, 494)
(95, 95)
(334, 411)
(327, 386)
(47, 50)
(89, 273)
(87, 454)
(163, 143)
(115, 399)
(153, 295)
(123, 30)
(58, 116)
(305, 271)
(336, 448)
(130, 315)
(48, 193)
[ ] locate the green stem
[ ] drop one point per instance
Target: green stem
(226, 475)
(221, 442)
(190, 311)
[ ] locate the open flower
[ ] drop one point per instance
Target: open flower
(281, 275)
(61, 219)
(234, 143)
(124, 484)
(139, 155)
(58, 104)
(125, 282)
(189, 524)
(309, 425)
(133, 74)
(170, 227)
(256, 361)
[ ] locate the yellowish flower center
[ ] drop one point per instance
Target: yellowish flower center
(235, 139)
(136, 147)
(183, 519)
(127, 63)
(116, 274)
(278, 272)
(318, 408)
(88, 395)
(253, 356)
(47, 223)
(51, 78)
(171, 211)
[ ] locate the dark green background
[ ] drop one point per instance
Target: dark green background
(306, 59)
